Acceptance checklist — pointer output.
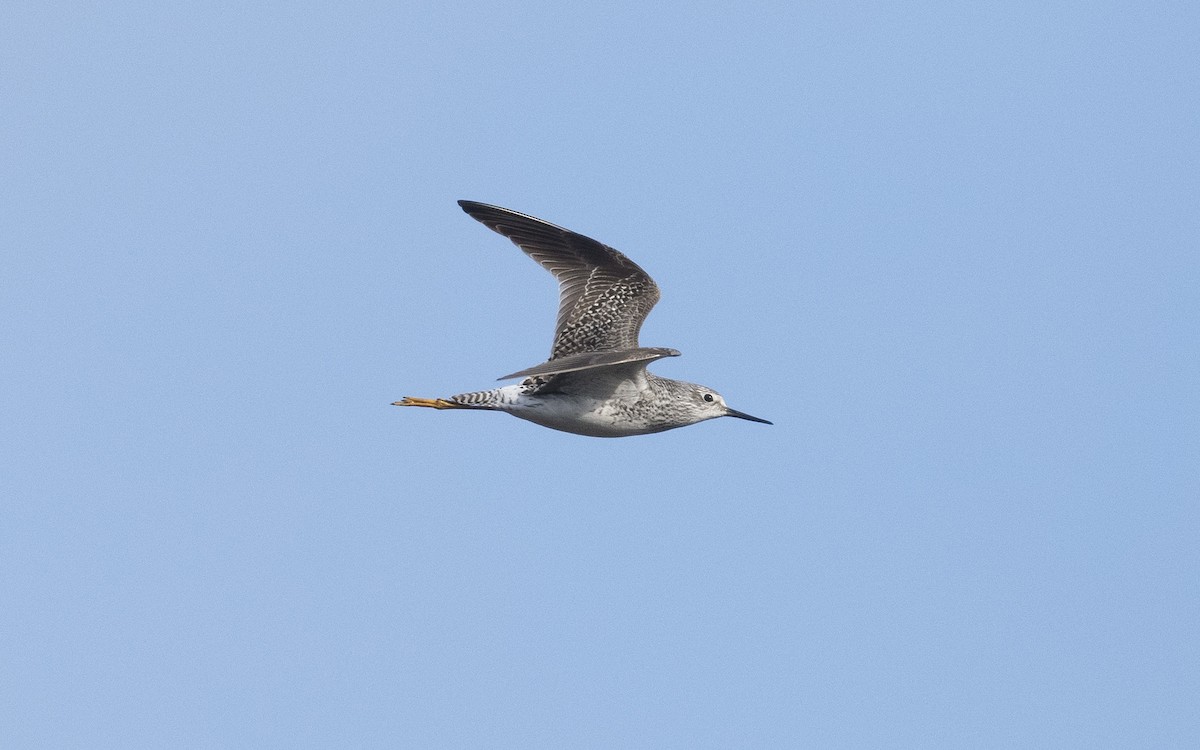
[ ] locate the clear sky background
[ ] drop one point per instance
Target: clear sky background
(950, 249)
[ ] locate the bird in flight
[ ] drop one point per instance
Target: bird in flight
(595, 382)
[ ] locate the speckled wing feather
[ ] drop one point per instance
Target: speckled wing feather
(603, 296)
(592, 360)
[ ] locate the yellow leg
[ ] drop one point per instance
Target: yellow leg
(432, 403)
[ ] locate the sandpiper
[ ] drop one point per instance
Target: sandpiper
(595, 382)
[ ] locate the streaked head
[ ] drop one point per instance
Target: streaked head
(709, 404)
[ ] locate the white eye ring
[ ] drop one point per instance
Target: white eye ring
(708, 397)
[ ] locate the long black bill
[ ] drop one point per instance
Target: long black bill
(744, 415)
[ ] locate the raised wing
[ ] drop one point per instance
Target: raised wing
(603, 296)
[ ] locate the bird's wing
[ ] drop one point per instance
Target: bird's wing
(593, 360)
(603, 296)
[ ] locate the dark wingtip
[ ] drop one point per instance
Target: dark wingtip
(489, 214)
(474, 207)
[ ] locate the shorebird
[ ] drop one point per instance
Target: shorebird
(595, 382)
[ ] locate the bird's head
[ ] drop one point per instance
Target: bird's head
(706, 403)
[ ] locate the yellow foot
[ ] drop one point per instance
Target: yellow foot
(432, 403)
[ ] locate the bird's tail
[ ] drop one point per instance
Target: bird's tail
(492, 399)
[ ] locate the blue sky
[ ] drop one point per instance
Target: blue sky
(949, 249)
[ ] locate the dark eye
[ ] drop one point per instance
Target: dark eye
(708, 397)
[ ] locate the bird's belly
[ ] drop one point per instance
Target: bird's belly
(584, 416)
